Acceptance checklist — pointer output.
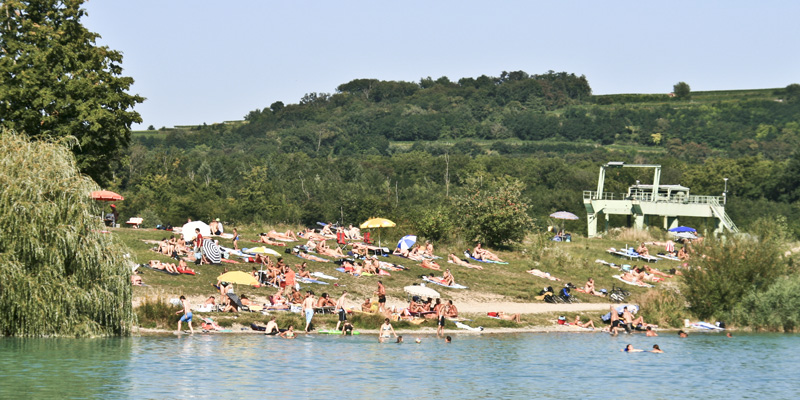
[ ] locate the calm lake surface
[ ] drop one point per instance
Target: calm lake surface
(524, 366)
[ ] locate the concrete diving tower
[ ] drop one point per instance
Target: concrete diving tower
(669, 202)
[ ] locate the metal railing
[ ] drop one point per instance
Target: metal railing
(648, 197)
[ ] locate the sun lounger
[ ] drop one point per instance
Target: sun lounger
(623, 254)
(667, 257)
(648, 258)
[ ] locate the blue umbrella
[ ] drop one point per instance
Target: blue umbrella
(683, 229)
(406, 242)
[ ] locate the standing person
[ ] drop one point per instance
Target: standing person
(440, 313)
(115, 213)
(235, 239)
(187, 314)
(381, 292)
(308, 308)
(288, 280)
(340, 309)
(615, 322)
(198, 240)
(385, 330)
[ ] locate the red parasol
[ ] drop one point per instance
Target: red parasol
(106, 195)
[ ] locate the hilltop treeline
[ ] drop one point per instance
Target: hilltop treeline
(342, 156)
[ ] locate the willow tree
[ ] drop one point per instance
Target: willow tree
(55, 81)
(59, 275)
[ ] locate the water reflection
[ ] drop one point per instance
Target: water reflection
(473, 366)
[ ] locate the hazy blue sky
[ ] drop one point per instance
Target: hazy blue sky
(211, 61)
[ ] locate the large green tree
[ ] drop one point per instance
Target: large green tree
(56, 81)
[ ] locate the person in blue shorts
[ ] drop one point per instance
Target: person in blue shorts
(308, 309)
(187, 314)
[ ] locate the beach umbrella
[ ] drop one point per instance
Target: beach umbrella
(106, 195)
(563, 215)
(188, 230)
(683, 229)
(421, 291)
(406, 242)
(377, 223)
(211, 251)
(261, 250)
(238, 277)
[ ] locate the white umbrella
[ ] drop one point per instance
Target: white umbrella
(211, 250)
(421, 291)
(406, 242)
(188, 230)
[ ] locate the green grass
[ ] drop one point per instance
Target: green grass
(572, 262)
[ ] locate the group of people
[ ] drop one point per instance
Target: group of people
(626, 321)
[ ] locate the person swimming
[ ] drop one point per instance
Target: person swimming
(629, 349)
(656, 349)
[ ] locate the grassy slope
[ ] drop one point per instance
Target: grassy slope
(573, 262)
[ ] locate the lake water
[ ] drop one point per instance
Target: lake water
(524, 366)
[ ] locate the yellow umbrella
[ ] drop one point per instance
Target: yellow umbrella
(238, 277)
(378, 223)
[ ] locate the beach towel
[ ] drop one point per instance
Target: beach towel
(466, 254)
(467, 327)
(640, 284)
(323, 276)
(438, 281)
(306, 280)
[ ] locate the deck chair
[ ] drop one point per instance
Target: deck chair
(341, 240)
(368, 238)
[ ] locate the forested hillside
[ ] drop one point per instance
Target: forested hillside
(410, 150)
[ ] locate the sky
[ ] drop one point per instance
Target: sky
(212, 61)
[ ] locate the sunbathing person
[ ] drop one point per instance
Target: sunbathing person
(325, 301)
(428, 250)
(451, 311)
(414, 306)
(156, 264)
(656, 272)
(326, 230)
(361, 249)
(310, 234)
(366, 306)
(582, 324)
(353, 233)
(542, 274)
(136, 280)
(302, 272)
(509, 317)
(682, 254)
(288, 236)
(452, 259)
(307, 256)
(430, 264)
(483, 254)
(183, 268)
(398, 252)
(263, 238)
(642, 250)
(324, 249)
(296, 297)
(590, 289)
(447, 278)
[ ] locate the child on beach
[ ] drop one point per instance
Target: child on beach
(187, 314)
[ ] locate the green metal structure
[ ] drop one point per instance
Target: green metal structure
(669, 202)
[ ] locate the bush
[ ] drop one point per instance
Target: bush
(492, 211)
(733, 268)
(775, 309)
(434, 224)
(154, 312)
(666, 308)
